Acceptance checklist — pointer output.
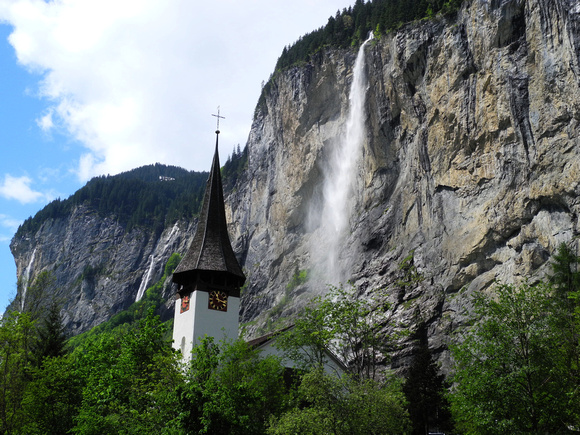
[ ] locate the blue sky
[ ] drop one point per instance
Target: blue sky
(91, 87)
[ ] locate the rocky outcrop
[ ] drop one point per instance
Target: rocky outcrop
(470, 169)
(99, 267)
(469, 175)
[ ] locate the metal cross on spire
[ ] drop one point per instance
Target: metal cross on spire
(218, 120)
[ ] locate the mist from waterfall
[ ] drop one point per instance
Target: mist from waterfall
(338, 198)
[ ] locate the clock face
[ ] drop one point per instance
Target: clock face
(218, 300)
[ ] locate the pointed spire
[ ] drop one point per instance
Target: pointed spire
(211, 249)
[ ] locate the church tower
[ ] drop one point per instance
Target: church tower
(209, 275)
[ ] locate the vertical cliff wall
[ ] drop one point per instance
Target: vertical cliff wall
(99, 267)
(469, 172)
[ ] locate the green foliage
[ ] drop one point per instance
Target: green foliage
(130, 381)
(152, 300)
(136, 198)
(16, 336)
(307, 341)
(425, 389)
(90, 272)
(353, 25)
(565, 272)
(511, 370)
(516, 371)
(235, 165)
(52, 397)
(343, 324)
(411, 275)
(566, 280)
(356, 328)
(171, 264)
(50, 337)
(299, 278)
(231, 389)
(333, 405)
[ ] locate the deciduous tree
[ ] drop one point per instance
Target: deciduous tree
(344, 325)
(329, 404)
(131, 377)
(510, 370)
(231, 389)
(16, 334)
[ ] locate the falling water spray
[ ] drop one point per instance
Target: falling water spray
(339, 178)
(27, 273)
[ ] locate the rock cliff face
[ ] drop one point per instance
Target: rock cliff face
(99, 267)
(469, 174)
(470, 162)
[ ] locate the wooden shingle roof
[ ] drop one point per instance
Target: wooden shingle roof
(211, 249)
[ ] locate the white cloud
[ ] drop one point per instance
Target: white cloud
(18, 188)
(136, 81)
(45, 121)
(9, 222)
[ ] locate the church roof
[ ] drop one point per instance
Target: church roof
(269, 339)
(264, 339)
(211, 249)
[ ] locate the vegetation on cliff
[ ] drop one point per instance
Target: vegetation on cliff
(153, 196)
(353, 25)
(152, 300)
(234, 167)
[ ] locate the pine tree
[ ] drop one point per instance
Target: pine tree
(51, 336)
(566, 279)
(565, 275)
(425, 389)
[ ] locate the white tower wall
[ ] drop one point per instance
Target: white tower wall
(192, 325)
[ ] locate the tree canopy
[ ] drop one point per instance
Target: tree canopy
(516, 370)
(352, 25)
(513, 369)
(153, 196)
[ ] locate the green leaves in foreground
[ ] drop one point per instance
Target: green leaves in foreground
(344, 405)
(231, 389)
(130, 381)
(512, 374)
(347, 326)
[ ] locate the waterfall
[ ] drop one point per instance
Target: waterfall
(338, 197)
(145, 281)
(26, 283)
(162, 254)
